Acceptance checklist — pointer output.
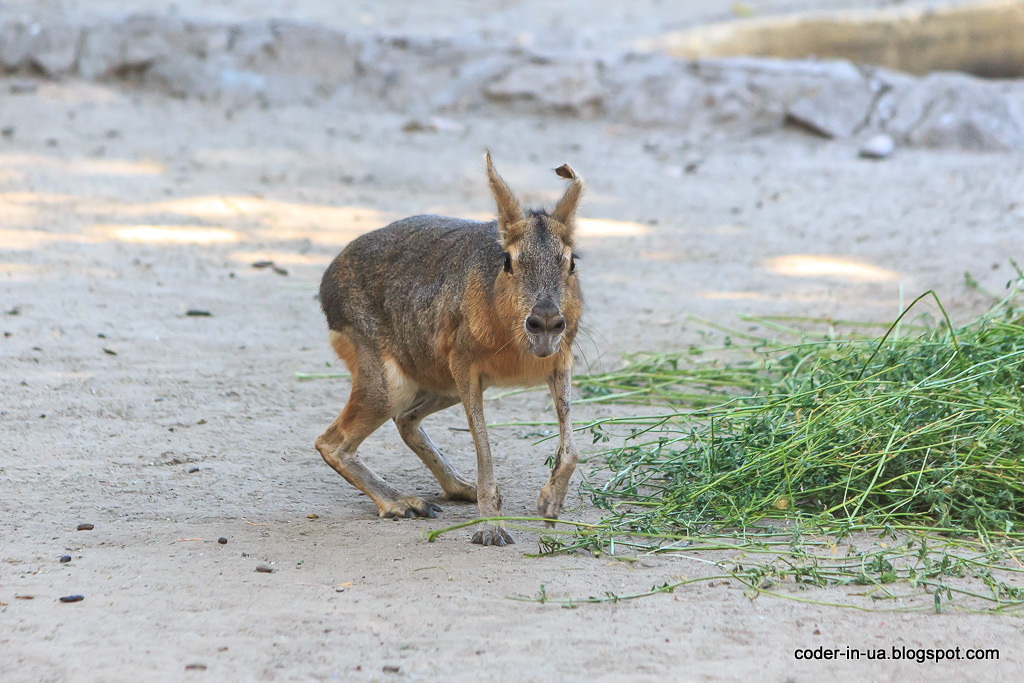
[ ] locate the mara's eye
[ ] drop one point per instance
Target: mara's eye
(572, 265)
(508, 263)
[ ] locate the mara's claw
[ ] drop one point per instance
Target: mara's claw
(410, 506)
(493, 535)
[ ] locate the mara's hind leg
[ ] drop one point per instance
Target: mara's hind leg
(367, 409)
(455, 486)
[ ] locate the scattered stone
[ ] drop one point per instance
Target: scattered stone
(64, 559)
(878, 147)
(195, 667)
(434, 124)
(196, 313)
(7, 132)
(270, 264)
(24, 597)
(391, 669)
(193, 470)
(222, 540)
(109, 351)
(72, 598)
(85, 527)
(24, 87)
(264, 569)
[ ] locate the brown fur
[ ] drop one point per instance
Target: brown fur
(428, 312)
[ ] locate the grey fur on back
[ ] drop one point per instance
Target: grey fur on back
(400, 279)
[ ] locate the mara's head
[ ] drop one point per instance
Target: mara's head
(537, 284)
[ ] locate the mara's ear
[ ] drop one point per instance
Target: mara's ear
(565, 211)
(509, 211)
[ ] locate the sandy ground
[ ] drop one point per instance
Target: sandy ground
(119, 212)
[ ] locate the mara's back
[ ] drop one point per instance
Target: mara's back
(399, 287)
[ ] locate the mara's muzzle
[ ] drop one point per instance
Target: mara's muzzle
(544, 328)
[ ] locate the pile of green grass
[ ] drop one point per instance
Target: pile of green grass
(919, 437)
(925, 430)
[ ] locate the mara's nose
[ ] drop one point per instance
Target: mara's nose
(545, 319)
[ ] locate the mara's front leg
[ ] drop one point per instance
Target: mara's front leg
(552, 496)
(488, 498)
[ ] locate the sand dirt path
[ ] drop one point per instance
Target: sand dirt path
(120, 212)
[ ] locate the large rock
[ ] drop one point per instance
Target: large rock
(569, 86)
(15, 44)
(55, 49)
(835, 108)
(653, 90)
(955, 111)
(420, 73)
(140, 41)
(51, 48)
(296, 49)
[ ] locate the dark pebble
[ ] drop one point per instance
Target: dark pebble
(65, 558)
(264, 569)
(86, 527)
(24, 87)
(196, 313)
(389, 669)
(222, 540)
(193, 470)
(72, 598)
(195, 667)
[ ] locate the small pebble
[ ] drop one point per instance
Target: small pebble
(391, 669)
(195, 667)
(196, 313)
(72, 598)
(24, 87)
(193, 470)
(85, 527)
(878, 147)
(264, 569)
(65, 558)
(222, 540)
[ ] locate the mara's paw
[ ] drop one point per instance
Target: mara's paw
(409, 506)
(461, 490)
(493, 535)
(548, 505)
